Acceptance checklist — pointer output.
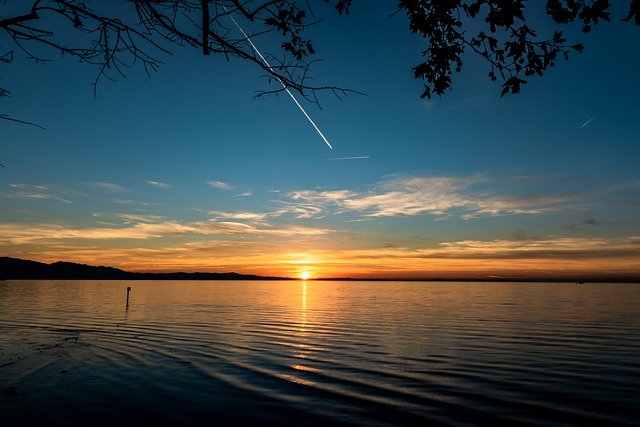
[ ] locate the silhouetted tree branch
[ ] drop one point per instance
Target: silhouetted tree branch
(5, 117)
(511, 46)
(116, 35)
(146, 29)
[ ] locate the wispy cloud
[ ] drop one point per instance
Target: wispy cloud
(109, 186)
(129, 202)
(220, 185)
(230, 227)
(23, 233)
(30, 187)
(158, 184)
(556, 248)
(348, 158)
(129, 218)
(38, 192)
(412, 196)
(134, 226)
(247, 193)
(242, 216)
(300, 210)
(35, 196)
(439, 196)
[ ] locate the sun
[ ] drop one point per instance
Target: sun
(304, 275)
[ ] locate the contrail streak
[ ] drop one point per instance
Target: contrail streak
(255, 48)
(589, 121)
(349, 158)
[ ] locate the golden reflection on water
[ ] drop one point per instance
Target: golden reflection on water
(304, 304)
(303, 334)
(396, 350)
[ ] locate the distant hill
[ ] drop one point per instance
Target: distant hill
(14, 268)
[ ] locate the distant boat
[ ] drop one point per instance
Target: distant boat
(579, 283)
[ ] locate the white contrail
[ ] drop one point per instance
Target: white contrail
(589, 121)
(349, 158)
(254, 47)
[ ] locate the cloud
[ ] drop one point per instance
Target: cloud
(35, 196)
(135, 226)
(412, 196)
(439, 196)
(110, 187)
(158, 184)
(39, 192)
(26, 233)
(136, 218)
(556, 248)
(299, 210)
(322, 196)
(220, 185)
(245, 194)
(129, 202)
(242, 216)
(30, 187)
(231, 227)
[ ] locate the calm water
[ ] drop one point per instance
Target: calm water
(392, 353)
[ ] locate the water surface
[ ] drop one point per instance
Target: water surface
(374, 353)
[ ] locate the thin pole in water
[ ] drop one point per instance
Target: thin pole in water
(128, 290)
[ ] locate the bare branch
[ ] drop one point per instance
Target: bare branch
(6, 117)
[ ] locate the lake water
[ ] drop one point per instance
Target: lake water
(316, 353)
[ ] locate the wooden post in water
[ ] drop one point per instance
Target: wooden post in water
(128, 290)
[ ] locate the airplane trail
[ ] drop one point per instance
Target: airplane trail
(349, 158)
(255, 48)
(589, 121)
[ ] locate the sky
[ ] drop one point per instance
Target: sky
(182, 171)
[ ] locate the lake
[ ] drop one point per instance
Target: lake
(315, 353)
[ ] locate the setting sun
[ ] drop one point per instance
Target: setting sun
(304, 275)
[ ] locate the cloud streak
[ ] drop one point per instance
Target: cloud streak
(348, 158)
(38, 192)
(220, 185)
(438, 196)
(146, 227)
(158, 184)
(109, 187)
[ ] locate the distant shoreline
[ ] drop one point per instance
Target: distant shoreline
(21, 269)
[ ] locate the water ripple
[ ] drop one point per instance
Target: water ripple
(330, 352)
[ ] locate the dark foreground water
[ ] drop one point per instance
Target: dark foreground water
(393, 353)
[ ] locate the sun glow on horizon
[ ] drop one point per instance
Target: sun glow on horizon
(304, 275)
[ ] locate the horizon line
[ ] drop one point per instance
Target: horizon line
(602, 278)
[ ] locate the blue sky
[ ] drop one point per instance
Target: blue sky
(182, 170)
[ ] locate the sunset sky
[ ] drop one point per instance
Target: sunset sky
(182, 171)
